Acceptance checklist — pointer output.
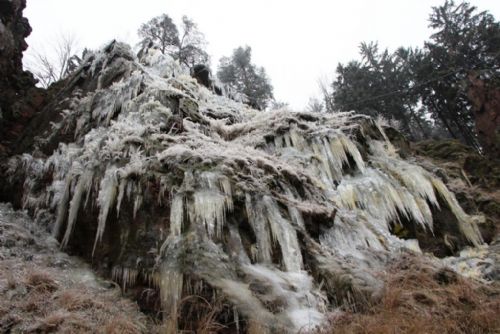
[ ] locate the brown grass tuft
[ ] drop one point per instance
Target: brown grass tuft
(73, 300)
(41, 281)
(420, 299)
(121, 325)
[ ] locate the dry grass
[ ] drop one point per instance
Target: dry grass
(419, 299)
(42, 299)
(41, 302)
(203, 314)
(74, 300)
(122, 325)
(41, 281)
(42, 290)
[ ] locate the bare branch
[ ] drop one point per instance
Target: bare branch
(53, 64)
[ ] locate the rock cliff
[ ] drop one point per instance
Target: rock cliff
(182, 195)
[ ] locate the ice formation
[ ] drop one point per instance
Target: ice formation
(285, 214)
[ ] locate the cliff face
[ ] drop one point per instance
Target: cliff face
(19, 98)
(181, 195)
(485, 99)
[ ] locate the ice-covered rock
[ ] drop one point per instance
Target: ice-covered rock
(282, 214)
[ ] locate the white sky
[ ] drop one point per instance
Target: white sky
(297, 42)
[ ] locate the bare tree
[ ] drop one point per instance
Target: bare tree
(327, 96)
(53, 64)
(192, 44)
(315, 105)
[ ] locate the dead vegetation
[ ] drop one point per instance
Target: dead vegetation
(45, 291)
(43, 301)
(419, 299)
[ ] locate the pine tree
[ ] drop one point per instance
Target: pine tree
(465, 40)
(240, 74)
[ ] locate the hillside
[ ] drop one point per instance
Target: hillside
(212, 215)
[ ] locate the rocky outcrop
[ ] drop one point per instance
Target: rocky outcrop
(182, 195)
(485, 99)
(19, 98)
(474, 178)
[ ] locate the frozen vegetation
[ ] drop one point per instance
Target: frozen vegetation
(283, 214)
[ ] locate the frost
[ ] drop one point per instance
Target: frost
(260, 227)
(467, 226)
(106, 199)
(176, 215)
(284, 233)
(170, 292)
(83, 186)
(209, 204)
(274, 210)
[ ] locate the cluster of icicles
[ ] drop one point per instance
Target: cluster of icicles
(223, 163)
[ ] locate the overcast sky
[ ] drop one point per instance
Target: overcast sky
(297, 42)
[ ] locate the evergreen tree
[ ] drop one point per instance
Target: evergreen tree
(162, 32)
(381, 84)
(465, 40)
(240, 74)
(413, 85)
(188, 48)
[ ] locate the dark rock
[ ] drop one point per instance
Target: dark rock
(19, 98)
(203, 76)
(485, 99)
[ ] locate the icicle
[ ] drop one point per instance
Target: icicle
(210, 203)
(163, 188)
(391, 150)
(127, 276)
(153, 278)
(176, 215)
(225, 186)
(137, 204)
(235, 246)
(353, 151)
(63, 207)
(209, 209)
(335, 164)
(278, 141)
(294, 213)
(320, 153)
(121, 193)
(466, 224)
(381, 197)
(297, 140)
(426, 212)
(286, 138)
(285, 234)
(415, 178)
(170, 293)
(259, 225)
(236, 320)
(350, 235)
(336, 155)
(83, 186)
(106, 199)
